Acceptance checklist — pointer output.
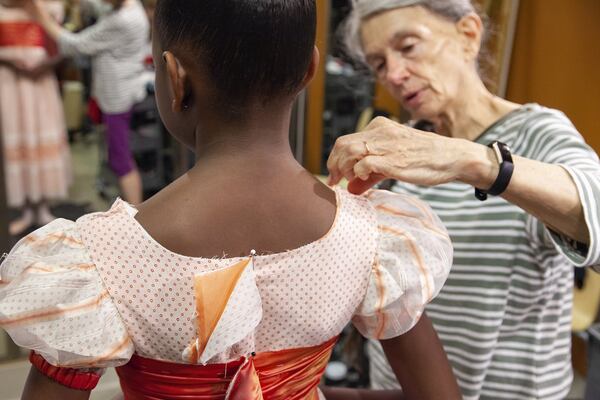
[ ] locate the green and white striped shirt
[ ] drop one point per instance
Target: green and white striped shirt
(504, 315)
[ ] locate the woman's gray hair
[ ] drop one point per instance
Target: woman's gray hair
(452, 10)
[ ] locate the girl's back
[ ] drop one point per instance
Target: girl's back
(243, 206)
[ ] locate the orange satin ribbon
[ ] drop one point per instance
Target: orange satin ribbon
(288, 374)
(21, 34)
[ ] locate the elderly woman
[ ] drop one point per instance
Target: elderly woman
(516, 186)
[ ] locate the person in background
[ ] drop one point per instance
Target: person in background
(150, 7)
(504, 315)
(37, 164)
(116, 45)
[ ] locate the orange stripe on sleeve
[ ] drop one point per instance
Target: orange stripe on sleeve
(34, 240)
(381, 292)
(426, 223)
(416, 255)
(53, 313)
(108, 355)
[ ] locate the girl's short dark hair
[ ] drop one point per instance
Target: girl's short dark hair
(251, 49)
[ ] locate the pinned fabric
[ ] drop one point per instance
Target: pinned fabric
(245, 385)
(292, 374)
(228, 309)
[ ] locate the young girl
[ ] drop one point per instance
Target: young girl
(36, 153)
(235, 281)
(116, 44)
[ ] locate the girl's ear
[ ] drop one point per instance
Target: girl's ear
(312, 67)
(178, 82)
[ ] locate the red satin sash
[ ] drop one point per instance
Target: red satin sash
(288, 374)
(21, 34)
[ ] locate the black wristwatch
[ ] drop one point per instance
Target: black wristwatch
(507, 167)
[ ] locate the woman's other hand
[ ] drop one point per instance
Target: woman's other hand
(387, 149)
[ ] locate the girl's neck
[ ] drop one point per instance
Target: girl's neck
(261, 135)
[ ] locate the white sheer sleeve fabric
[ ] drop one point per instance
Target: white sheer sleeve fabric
(53, 301)
(412, 263)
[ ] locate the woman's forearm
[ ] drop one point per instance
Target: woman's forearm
(544, 190)
(52, 28)
(386, 149)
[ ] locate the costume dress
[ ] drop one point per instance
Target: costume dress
(101, 292)
(37, 163)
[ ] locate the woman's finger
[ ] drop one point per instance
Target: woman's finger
(358, 186)
(335, 174)
(354, 152)
(368, 166)
(346, 151)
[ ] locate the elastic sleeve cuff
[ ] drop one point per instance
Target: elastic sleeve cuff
(69, 377)
(582, 255)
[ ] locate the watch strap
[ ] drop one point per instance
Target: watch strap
(506, 169)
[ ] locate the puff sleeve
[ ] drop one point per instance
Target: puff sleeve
(412, 263)
(53, 301)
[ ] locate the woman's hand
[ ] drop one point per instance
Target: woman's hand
(36, 10)
(18, 66)
(32, 71)
(387, 149)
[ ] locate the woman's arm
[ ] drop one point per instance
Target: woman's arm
(37, 10)
(44, 67)
(544, 190)
(93, 40)
(395, 151)
(40, 387)
(420, 364)
(18, 66)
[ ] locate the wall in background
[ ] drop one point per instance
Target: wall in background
(556, 60)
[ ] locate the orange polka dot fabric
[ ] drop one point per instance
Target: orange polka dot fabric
(308, 294)
(383, 259)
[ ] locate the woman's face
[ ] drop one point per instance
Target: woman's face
(421, 58)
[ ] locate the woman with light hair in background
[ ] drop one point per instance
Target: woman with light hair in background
(516, 186)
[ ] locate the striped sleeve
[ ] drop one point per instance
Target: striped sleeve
(104, 35)
(52, 301)
(553, 139)
(412, 263)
